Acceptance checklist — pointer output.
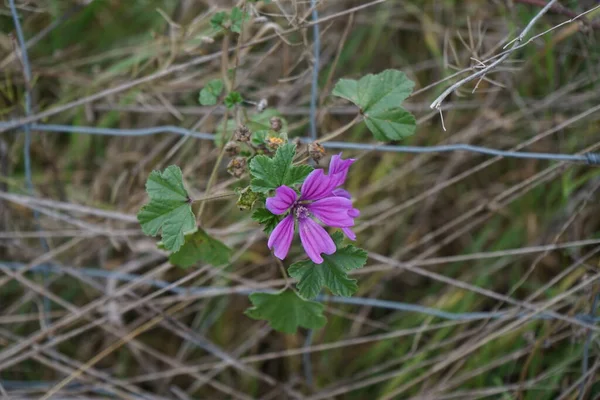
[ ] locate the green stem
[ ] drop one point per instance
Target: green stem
(214, 173)
(215, 197)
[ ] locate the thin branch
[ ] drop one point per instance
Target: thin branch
(438, 102)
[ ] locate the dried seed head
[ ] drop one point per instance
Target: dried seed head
(274, 142)
(297, 142)
(276, 123)
(316, 151)
(232, 149)
(237, 167)
(242, 134)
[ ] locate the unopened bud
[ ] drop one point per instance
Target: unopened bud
(232, 149)
(276, 123)
(316, 151)
(242, 134)
(237, 167)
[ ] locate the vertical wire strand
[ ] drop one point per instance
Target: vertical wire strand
(314, 94)
(27, 144)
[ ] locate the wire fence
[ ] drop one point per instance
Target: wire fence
(215, 291)
(587, 158)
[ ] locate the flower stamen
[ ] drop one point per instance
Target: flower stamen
(302, 212)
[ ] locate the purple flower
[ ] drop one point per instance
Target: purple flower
(317, 199)
(338, 170)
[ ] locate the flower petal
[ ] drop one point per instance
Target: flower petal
(282, 201)
(354, 213)
(342, 193)
(281, 237)
(349, 233)
(315, 240)
(333, 211)
(316, 186)
(338, 168)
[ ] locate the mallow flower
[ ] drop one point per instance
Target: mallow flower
(318, 199)
(338, 170)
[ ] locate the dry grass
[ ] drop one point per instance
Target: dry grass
(418, 211)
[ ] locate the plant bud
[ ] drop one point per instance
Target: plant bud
(276, 123)
(316, 151)
(242, 134)
(232, 149)
(237, 166)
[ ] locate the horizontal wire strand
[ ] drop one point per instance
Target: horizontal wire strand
(589, 158)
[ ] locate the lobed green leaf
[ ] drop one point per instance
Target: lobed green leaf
(169, 209)
(332, 273)
(270, 173)
(232, 99)
(266, 218)
(237, 18)
(286, 311)
(379, 98)
(201, 247)
(211, 92)
(391, 124)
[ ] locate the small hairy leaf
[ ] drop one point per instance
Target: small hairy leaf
(332, 273)
(266, 218)
(211, 92)
(379, 97)
(217, 20)
(270, 173)
(169, 208)
(200, 246)
(232, 99)
(286, 311)
(237, 18)
(259, 138)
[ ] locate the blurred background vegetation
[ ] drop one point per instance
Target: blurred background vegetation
(418, 208)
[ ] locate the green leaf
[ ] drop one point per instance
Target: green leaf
(217, 20)
(237, 19)
(347, 89)
(286, 311)
(270, 173)
(266, 218)
(391, 124)
(211, 92)
(332, 273)
(259, 138)
(379, 98)
(384, 91)
(200, 246)
(232, 99)
(169, 209)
